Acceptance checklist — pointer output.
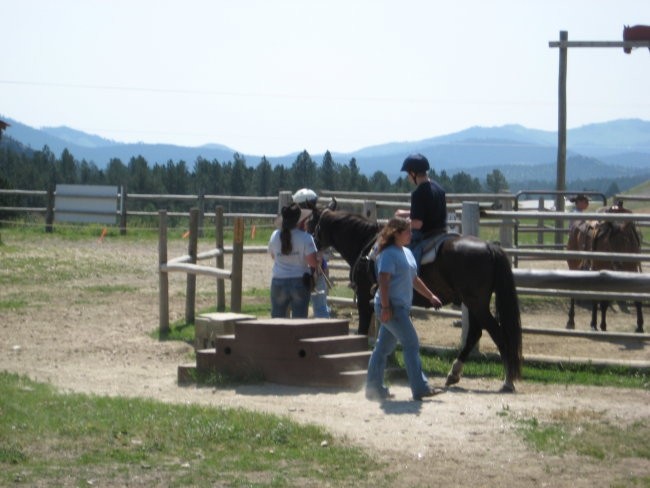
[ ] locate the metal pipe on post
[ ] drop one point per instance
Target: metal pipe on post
(221, 290)
(561, 135)
(163, 278)
(470, 223)
(190, 297)
(236, 280)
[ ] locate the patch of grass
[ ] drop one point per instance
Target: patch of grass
(13, 303)
(583, 433)
(111, 289)
(490, 366)
(47, 438)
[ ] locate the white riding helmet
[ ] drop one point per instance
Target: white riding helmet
(304, 196)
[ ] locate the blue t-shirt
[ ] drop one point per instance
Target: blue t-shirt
(291, 265)
(400, 264)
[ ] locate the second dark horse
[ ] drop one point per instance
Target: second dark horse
(466, 270)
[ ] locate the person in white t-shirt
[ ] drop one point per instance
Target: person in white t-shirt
(294, 258)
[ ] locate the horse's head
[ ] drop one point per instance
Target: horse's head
(314, 225)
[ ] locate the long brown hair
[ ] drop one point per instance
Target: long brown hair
(290, 217)
(390, 231)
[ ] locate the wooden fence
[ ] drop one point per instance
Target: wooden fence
(187, 264)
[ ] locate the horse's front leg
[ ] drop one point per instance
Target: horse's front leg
(639, 317)
(604, 305)
(366, 310)
(473, 335)
(570, 323)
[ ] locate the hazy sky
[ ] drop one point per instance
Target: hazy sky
(277, 76)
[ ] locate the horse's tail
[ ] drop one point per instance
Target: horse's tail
(507, 309)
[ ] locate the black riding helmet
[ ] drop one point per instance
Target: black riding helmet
(416, 163)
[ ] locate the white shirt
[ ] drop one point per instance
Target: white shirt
(292, 265)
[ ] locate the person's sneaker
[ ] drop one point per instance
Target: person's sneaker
(429, 393)
(378, 395)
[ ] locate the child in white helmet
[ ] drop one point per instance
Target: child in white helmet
(307, 198)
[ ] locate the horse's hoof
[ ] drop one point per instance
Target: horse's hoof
(594, 328)
(452, 380)
(639, 330)
(604, 329)
(570, 326)
(507, 389)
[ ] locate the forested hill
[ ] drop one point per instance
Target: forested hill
(599, 156)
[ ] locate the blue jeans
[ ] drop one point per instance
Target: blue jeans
(399, 328)
(416, 245)
(319, 298)
(289, 292)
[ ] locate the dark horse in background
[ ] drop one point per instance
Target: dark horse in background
(635, 33)
(466, 270)
(605, 236)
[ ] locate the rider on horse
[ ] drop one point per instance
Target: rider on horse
(428, 213)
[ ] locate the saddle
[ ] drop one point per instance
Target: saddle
(431, 246)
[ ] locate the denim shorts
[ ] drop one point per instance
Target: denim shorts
(289, 293)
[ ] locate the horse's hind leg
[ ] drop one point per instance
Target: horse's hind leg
(594, 315)
(639, 317)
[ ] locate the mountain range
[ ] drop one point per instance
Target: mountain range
(614, 149)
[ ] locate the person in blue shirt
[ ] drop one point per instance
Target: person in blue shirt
(397, 277)
(294, 253)
(428, 212)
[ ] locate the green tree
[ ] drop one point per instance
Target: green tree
(238, 176)
(117, 173)
(66, 168)
(464, 183)
(379, 182)
(328, 172)
(304, 171)
(138, 175)
(496, 182)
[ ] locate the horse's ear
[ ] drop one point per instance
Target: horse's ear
(333, 204)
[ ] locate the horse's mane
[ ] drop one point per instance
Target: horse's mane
(354, 223)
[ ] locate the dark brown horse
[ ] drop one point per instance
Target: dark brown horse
(466, 270)
(606, 236)
(635, 33)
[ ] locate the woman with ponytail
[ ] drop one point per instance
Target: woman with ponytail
(294, 258)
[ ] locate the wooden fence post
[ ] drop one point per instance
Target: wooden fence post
(218, 223)
(201, 205)
(560, 185)
(49, 213)
(370, 210)
(540, 221)
(236, 280)
(123, 211)
(284, 199)
(470, 223)
(190, 297)
(163, 278)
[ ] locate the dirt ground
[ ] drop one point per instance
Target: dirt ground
(89, 331)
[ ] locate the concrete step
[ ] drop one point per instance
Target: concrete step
(348, 360)
(334, 344)
(208, 326)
